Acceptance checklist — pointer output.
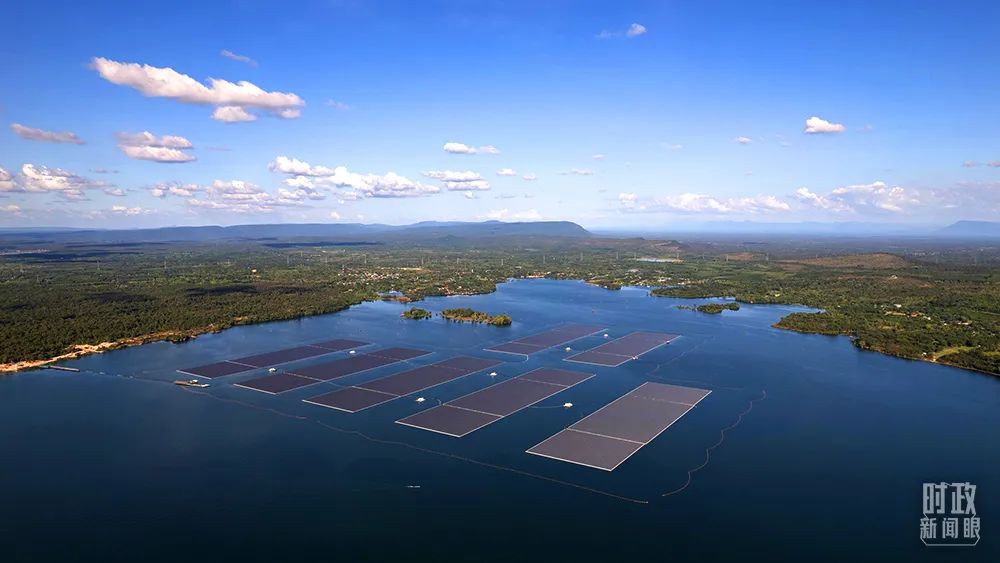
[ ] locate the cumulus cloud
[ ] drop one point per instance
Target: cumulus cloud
(337, 105)
(817, 125)
(502, 214)
(33, 134)
(163, 189)
(470, 195)
(11, 208)
(116, 192)
(877, 197)
(306, 176)
(672, 146)
(506, 172)
(597, 156)
(130, 211)
(42, 179)
(693, 203)
(459, 181)
(165, 82)
(970, 164)
(743, 140)
(462, 148)
(239, 58)
(577, 172)
(529, 177)
(147, 146)
(232, 114)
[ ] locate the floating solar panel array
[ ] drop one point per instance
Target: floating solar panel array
(365, 395)
(538, 342)
(269, 359)
(301, 377)
(621, 350)
(609, 436)
(471, 412)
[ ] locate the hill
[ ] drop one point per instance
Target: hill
(990, 229)
(336, 231)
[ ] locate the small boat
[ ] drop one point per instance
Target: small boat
(190, 383)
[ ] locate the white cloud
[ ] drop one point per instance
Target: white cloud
(239, 58)
(42, 179)
(743, 140)
(337, 105)
(597, 156)
(167, 83)
(506, 172)
(470, 195)
(130, 211)
(693, 203)
(501, 214)
(232, 114)
(116, 192)
(970, 164)
(458, 148)
(391, 185)
(877, 197)
(479, 185)
(147, 146)
(453, 176)
(672, 146)
(163, 189)
(529, 177)
(462, 148)
(32, 134)
(635, 30)
(816, 125)
(577, 172)
(11, 208)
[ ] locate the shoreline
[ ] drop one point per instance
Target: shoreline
(180, 336)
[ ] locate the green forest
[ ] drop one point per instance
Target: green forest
(921, 301)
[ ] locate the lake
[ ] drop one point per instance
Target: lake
(116, 462)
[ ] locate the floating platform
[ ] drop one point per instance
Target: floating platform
(612, 434)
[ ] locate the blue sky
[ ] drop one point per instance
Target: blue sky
(625, 114)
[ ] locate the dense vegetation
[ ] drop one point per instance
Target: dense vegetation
(923, 300)
(416, 313)
(465, 314)
(716, 308)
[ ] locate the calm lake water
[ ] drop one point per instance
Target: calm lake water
(116, 463)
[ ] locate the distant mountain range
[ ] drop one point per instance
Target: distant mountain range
(973, 229)
(338, 231)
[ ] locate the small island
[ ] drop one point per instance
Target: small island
(416, 313)
(469, 315)
(712, 308)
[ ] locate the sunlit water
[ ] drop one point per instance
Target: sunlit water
(116, 462)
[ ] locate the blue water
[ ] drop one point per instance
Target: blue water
(116, 463)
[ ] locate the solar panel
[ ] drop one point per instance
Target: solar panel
(400, 353)
(339, 344)
(350, 399)
(281, 356)
(607, 437)
(218, 369)
(344, 367)
(372, 393)
(621, 350)
(538, 342)
(493, 403)
(450, 421)
(276, 383)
